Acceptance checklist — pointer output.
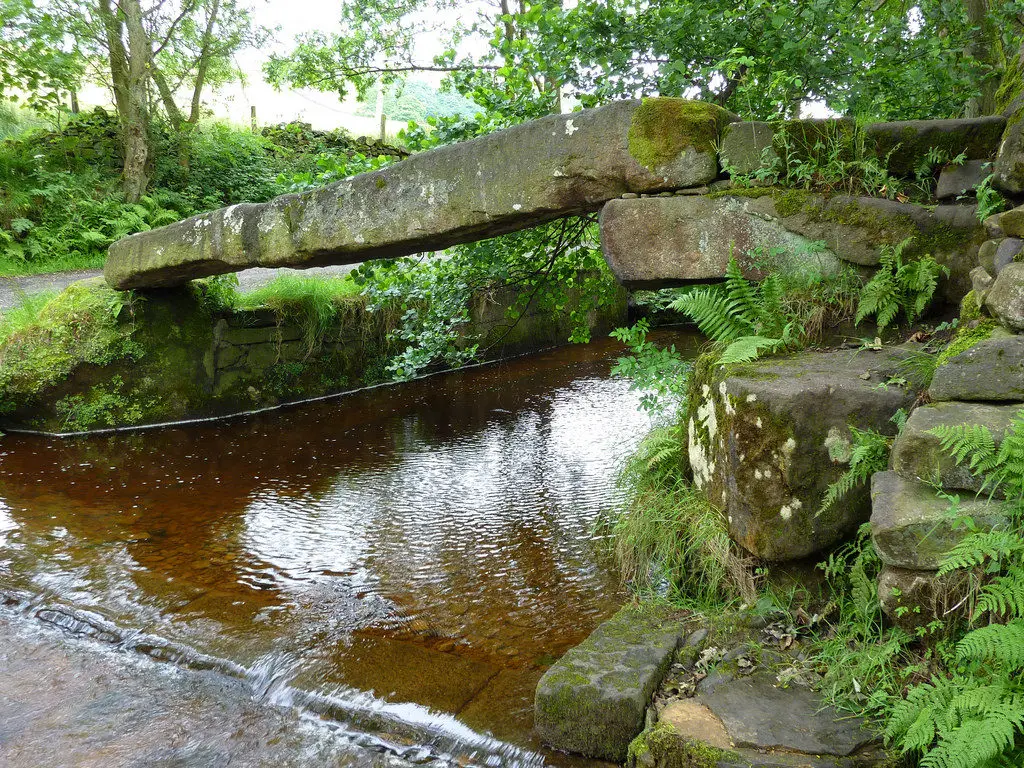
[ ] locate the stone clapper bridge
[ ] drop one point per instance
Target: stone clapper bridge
(511, 180)
(563, 165)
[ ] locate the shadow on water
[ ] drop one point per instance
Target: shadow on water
(429, 542)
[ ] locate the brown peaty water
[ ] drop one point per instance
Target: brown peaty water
(404, 561)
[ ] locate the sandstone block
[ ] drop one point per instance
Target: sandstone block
(765, 439)
(914, 528)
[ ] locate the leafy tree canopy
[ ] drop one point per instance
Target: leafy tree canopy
(885, 59)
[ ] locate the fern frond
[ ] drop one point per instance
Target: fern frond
(747, 348)
(1000, 643)
(1004, 595)
(967, 440)
(980, 547)
(710, 309)
(742, 295)
(933, 696)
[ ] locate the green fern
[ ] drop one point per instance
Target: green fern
(1004, 595)
(749, 319)
(974, 718)
(899, 285)
(999, 644)
(981, 548)
(1002, 468)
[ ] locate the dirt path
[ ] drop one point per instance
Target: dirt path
(12, 288)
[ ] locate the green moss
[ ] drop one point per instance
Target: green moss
(792, 202)
(662, 128)
(663, 747)
(751, 193)
(86, 324)
(381, 182)
(966, 337)
(106, 405)
(970, 308)
(1011, 88)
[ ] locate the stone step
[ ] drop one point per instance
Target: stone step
(752, 721)
(914, 528)
(593, 700)
(990, 371)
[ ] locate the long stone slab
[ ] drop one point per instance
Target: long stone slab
(667, 241)
(662, 242)
(545, 169)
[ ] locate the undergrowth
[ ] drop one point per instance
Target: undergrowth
(668, 539)
(46, 337)
(315, 304)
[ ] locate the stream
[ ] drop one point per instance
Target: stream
(377, 579)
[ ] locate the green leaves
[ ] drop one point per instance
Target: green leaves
(659, 373)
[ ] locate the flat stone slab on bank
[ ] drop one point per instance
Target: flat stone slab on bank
(757, 714)
(509, 180)
(592, 701)
(752, 723)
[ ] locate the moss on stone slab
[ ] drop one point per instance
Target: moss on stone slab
(662, 128)
(1011, 89)
(966, 337)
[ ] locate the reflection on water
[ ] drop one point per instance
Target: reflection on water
(430, 542)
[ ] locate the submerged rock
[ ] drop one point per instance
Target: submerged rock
(767, 438)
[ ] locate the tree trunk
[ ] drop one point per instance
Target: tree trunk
(984, 47)
(129, 65)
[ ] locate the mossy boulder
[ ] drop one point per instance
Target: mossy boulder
(912, 599)
(592, 701)
(1005, 299)
(1009, 166)
(510, 180)
(907, 143)
(765, 440)
(990, 369)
